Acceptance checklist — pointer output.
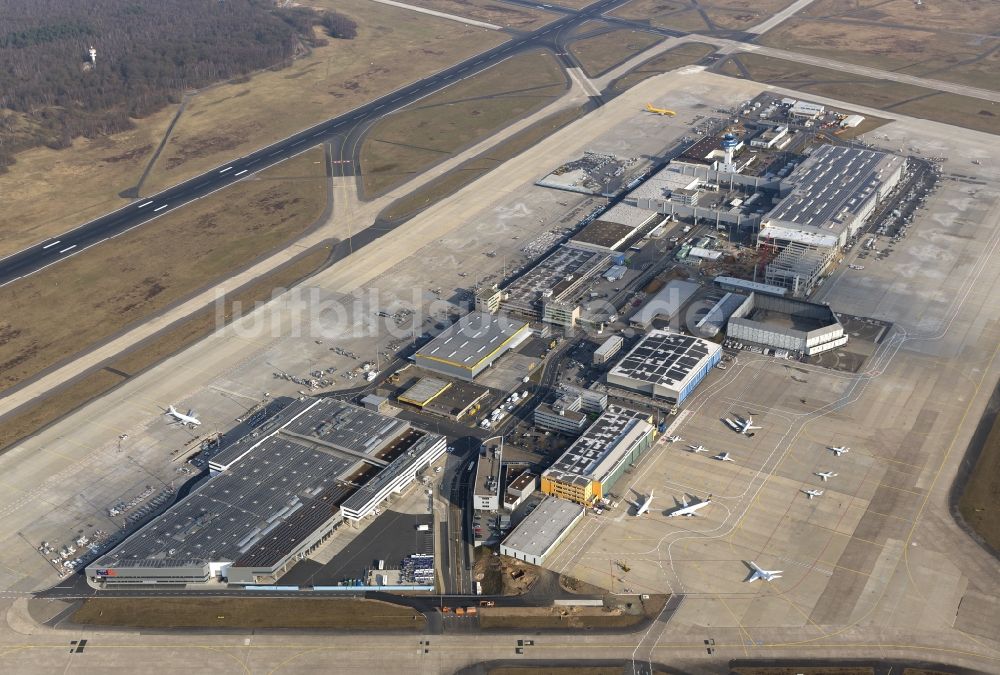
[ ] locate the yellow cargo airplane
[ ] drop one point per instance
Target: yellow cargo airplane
(659, 111)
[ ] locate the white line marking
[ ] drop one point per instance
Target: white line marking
(144, 204)
(297, 142)
(10, 282)
(277, 152)
(240, 173)
(226, 169)
(318, 133)
(159, 208)
(68, 248)
(52, 244)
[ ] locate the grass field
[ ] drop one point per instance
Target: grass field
(966, 58)
(47, 192)
(682, 55)
(32, 418)
(412, 140)
(904, 99)
(466, 172)
(982, 16)
(601, 53)
(393, 47)
(688, 15)
(335, 613)
(89, 297)
(980, 500)
(491, 11)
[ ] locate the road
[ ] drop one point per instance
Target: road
(141, 211)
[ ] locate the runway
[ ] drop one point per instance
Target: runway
(337, 130)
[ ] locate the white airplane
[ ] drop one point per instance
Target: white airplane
(742, 425)
(182, 418)
(724, 457)
(764, 575)
(688, 509)
(698, 448)
(813, 493)
(826, 475)
(641, 509)
(840, 450)
(674, 439)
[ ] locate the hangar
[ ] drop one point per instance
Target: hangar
(541, 531)
(666, 365)
(471, 345)
(274, 495)
(783, 323)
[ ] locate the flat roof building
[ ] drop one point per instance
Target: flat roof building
(275, 494)
(562, 416)
(556, 279)
(608, 349)
(486, 491)
(520, 489)
(666, 365)
(424, 390)
(603, 236)
(591, 466)
(737, 284)
(541, 532)
(471, 345)
(834, 191)
(665, 305)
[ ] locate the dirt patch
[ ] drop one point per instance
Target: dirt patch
(426, 133)
(335, 613)
(624, 612)
(601, 53)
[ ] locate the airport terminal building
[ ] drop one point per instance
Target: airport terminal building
(274, 495)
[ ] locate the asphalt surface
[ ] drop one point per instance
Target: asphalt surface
(343, 132)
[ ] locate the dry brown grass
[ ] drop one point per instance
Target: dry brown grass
(491, 11)
(30, 419)
(47, 192)
(963, 111)
(89, 297)
(412, 140)
(393, 47)
(601, 53)
(682, 55)
(685, 15)
(573, 4)
(468, 171)
(332, 613)
(955, 57)
(964, 16)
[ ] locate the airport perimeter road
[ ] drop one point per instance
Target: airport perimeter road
(142, 211)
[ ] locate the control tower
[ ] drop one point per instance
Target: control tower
(729, 144)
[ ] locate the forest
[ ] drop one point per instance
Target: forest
(147, 55)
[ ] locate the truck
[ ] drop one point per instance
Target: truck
(423, 527)
(686, 229)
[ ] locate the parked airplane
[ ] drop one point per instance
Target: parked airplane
(813, 493)
(840, 451)
(182, 418)
(641, 509)
(698, 448)
(687, 509)
(826, 475)
(765, 575)
(674, 439)
(724, 457)
(742, 425)
(659, 111)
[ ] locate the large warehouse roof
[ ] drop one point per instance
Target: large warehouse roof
(834, 183)
(542, 528)
(664, 358)
(472, 339)
(666, 303)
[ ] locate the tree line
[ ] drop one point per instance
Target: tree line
(148, 54)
